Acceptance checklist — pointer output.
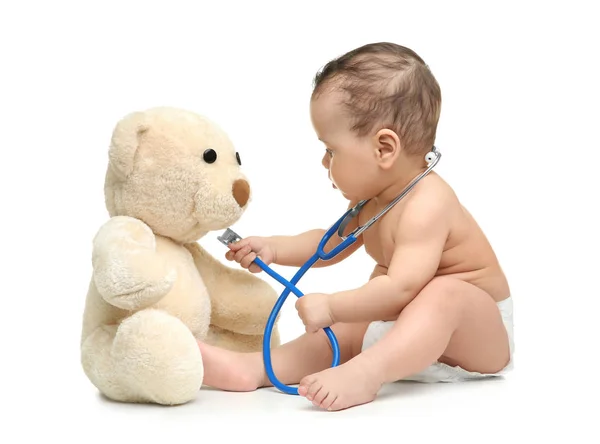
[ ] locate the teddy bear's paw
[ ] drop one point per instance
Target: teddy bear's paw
(158, 358)
(128, 272)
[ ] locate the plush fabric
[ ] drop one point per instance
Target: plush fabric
(154, 291)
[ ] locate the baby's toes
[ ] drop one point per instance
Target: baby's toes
(316, 391)
(337, 404)
(306, 385)
(320, 394)
(328, 401)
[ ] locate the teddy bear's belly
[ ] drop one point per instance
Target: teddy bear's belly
(188, 300)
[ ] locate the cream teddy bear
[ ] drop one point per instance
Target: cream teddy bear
(173, 176)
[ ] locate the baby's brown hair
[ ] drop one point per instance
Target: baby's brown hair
(387, 86)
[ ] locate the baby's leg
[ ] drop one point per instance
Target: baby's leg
(310, 353)
(450, 320)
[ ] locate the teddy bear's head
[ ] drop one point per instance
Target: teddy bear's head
(176, 171)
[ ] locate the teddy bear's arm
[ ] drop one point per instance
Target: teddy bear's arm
(241, 302)
(128, 272)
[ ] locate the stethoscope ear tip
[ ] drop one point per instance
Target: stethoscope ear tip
(432, 155)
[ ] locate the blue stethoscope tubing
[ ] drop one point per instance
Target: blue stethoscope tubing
(290, 286)
(432, 158)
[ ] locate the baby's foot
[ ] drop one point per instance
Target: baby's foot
(340, 387)
(231, 371)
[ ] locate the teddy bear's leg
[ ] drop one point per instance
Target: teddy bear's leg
(237, 341)
(150, 357)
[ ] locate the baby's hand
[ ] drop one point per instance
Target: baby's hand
(315, 312)
(246, 250)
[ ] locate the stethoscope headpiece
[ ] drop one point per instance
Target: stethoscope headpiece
(432, 155)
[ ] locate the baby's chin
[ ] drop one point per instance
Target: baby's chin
(345, 195)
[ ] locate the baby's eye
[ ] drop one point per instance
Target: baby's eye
(329, 152)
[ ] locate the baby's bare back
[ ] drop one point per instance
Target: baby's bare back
(467, 254)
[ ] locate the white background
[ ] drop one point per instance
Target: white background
(518, 133)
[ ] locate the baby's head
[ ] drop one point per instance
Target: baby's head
(376, 109)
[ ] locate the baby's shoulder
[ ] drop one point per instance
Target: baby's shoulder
(434, 185)
(434, 194)
(430, 204)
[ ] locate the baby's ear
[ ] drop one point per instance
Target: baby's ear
(125, 142)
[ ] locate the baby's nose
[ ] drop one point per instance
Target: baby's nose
(241, 192)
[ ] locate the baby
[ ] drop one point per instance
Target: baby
(437, 306)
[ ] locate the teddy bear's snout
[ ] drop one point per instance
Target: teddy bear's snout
(241, 192)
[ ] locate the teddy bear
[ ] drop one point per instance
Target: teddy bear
(173, 176)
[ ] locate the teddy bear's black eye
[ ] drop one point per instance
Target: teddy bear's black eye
(237, 156)
(210, 156)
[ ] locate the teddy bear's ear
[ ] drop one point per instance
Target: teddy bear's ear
(125, 141)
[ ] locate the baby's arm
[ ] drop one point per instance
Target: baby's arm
(292, 250)
(296, 250)
(420, 238)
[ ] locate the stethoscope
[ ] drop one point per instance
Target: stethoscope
(432, 158)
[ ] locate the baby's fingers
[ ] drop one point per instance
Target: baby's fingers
(236, 246)
(253, 268)
(242, 253)
(247, 260)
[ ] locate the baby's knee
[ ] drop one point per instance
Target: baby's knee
(443, 294)
(443, 289)
(441, 285)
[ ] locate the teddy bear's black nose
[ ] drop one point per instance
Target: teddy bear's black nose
(241, 192)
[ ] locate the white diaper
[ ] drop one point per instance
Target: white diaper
(438, 371)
